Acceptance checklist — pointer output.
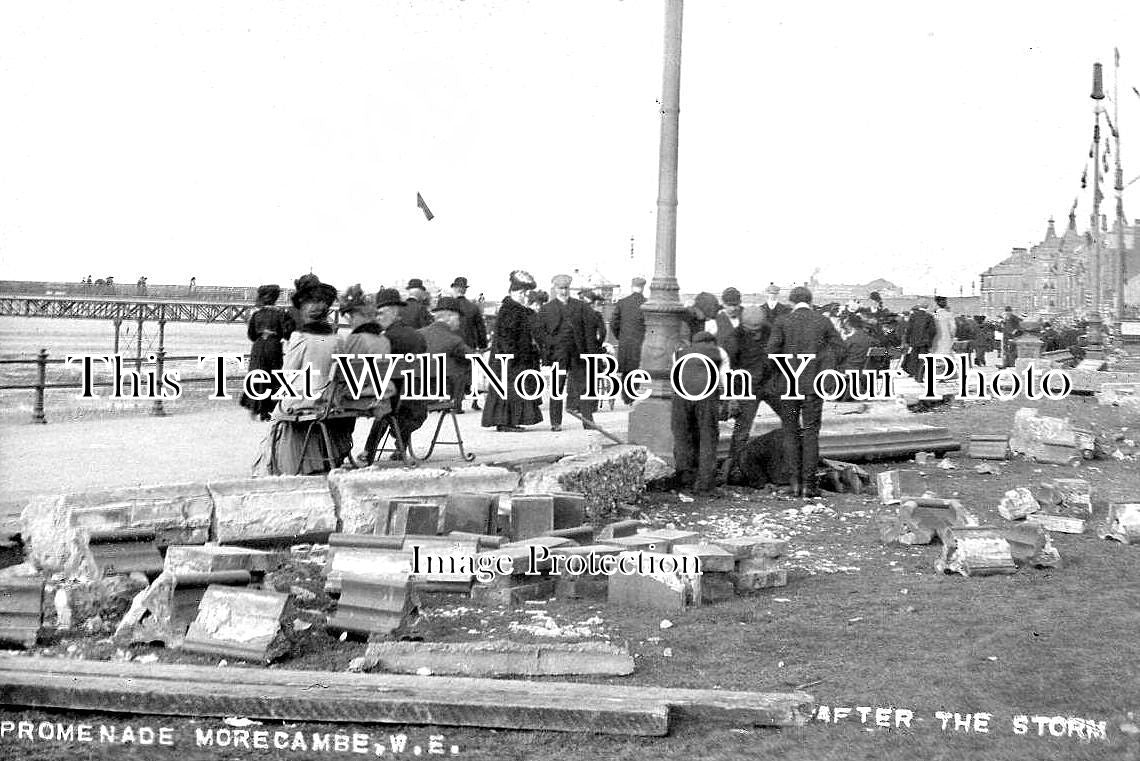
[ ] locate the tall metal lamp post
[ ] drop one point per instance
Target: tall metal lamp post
(649, 419)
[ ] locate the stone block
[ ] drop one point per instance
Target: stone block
(658, 588)
(1031, 432)
(359, 493)
(1018, 503)
(470, 512)
(365, 562)
(755, 574)
(485, 594)
(189, 588)
(151, 615)
(896, 485)
(619, 528)
(211, 558)
(581, 587)
(413, 518)
(1060, 524)
(374, 604)
(531, 515)
(569, 510)
(673, 536)
(235, 622)
(1122, 523)
(272, 507)
(177, 513)
(713, 559)
(21, 608)
(582, 534)
(646, 542)
(52, 542)
(760, 546)
(499, 658)
(484, 541)
(716, 588)
(608, 478)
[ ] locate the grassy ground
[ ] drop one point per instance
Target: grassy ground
(860, 624)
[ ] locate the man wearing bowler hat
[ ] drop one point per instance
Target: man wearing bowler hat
(416, 314)
(471, 327)
(444, 339)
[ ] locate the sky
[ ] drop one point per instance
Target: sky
(242, 143)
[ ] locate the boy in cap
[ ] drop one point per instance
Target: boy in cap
(694, 424)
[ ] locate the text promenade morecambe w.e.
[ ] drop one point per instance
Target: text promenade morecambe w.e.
(424, 377)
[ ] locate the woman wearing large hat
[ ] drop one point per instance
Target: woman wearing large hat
(268, 327)
(514, 335)
(312, 346)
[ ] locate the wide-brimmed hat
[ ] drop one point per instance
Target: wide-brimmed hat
(310, 288)
(521, 280)
(415, 282)
(459, 282)
(389, 297)
(267, 294)
(447, 304)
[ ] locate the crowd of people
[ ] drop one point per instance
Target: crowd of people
(540, 330)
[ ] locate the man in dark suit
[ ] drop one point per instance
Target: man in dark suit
(628, 327)
(563, 325)
(471, 327)
(917, 340)
(728, 320)
(444, 339)
(803, 331)
(772, 308)
(410, 413)
(415, 313)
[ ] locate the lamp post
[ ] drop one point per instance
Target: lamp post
(649, 419)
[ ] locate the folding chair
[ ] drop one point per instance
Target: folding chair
(445, 409)
(391, 430)
(316, 423)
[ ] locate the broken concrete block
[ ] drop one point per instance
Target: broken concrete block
(1057, 523)
(1118, 394)
(582, 534)
(1030, 545)
(442, 564)
(272, 507)
(531, 515)
(420, 518)
(1018, 503)
(151, 615)
(539, 588)
(608, 478)
(360, 493)
(21, 607)
(1075, 493)
(212, 558)
(896, 485)
(656, 469)
(379, 604)
(753, 574)
(236, 622)
(1038, 436)
(365, 562)
(673, 536)
(713, 559)
(1123, 523)
(1056, 453)
(619, 528)
(988, 446)
(920, 520)
(717, 588)
(176, 513)
(125, 551)
(470, 512)
(975, 551)
(569, 509)
(758, 546)
(498, 658)
(665, 585)
(52, 542)
(647, 542)
(189, 589)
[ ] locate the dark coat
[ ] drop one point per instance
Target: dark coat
(443, 340)
(628, 327)
(726, 333)
(775, 313)
(564, 331)
(471, 324)
(404, 340)
(416, 314)
(858, 344)
(805, 331)
(515, 327)
(920, 330)
(750, 352)
(595, 331)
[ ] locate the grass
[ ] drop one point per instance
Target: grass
(894, 633)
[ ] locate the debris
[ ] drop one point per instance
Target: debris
(667, 652)
(240, 623)
(1017, 503)
(619, 528)
(984, 468)
(685, 497)
(1059, 523)
(569, 510)
(665, 624)
(922, 458)
(151, 615)
(896, 485)
(1044, 439)
(21, 608)
(497, 658)
(988, 446)
(919, 521)
(947, 464)
(1030, 545)
(531, 515)
(211, 558)
(1122, 523)
(125, 551)
(374, 604)
(658, 588)
(761, 546)
(713, 559)
(410, 517)
(470, 512)
(758, 573)
(974, 551)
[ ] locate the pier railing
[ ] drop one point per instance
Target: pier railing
(157, 359)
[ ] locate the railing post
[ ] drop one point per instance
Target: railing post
(138, 349)
(117, 322)
(41, 381)
(157, 409)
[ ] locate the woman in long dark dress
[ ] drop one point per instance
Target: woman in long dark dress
(268, 327)
(514, 335)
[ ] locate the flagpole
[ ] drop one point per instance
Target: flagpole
(1097, 96)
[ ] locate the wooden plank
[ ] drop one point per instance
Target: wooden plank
(722, 706)
(533, 708)
(500, 658)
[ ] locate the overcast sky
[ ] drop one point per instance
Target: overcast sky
(247, 142)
